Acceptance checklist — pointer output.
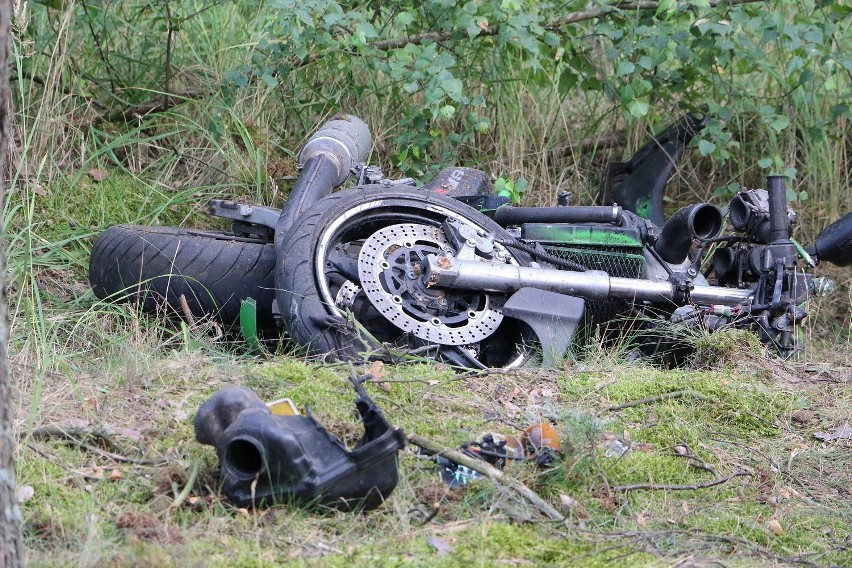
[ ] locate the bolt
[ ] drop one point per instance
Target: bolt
(692, 272)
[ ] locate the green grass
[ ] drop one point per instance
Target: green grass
(80, 361)
(744, 424)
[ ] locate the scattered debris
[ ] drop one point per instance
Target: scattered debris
(482, 467)
(454, 475)
(541, 442)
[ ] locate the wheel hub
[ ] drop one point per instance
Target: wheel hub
(390, 266)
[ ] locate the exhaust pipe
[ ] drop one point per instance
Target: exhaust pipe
(699, 221)
(327, 160)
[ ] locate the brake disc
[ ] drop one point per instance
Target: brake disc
(390, 266)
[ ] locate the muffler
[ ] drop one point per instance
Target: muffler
(327, 160)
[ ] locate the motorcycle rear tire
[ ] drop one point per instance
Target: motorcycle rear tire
(213, 271)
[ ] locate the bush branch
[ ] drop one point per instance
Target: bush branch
(566, 19)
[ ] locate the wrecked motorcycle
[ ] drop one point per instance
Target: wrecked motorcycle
(454, 271)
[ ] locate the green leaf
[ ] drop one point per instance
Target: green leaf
(779, 123)
(625, 68)
(638, 108)
(665, 8)
(705, 147)
(453, 88)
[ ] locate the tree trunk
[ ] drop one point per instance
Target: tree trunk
(10, 514)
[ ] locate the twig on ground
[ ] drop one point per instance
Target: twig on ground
(685, 487)
(78, 435)
(157, 105)
(193, 475)
(187, 313)
(657, 398)
(490, 472)
(692, 459)
(668, 534)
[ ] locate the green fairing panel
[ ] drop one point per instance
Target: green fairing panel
(583, 235)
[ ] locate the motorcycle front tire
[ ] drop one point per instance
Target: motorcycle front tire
(310, 280)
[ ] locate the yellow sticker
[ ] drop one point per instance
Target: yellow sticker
(283, 407)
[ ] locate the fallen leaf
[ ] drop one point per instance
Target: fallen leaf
(377, 369)
(803, 416)
(98, 175)
(843, 432)
(25, 493)
(641, 520)
(567, 502)
(39, 190)
(775, 527)
(115, 475)
(180, 415)
(681, 450)
(440, 545)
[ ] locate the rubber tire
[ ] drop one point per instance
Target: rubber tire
(214, 272)
(304, 313)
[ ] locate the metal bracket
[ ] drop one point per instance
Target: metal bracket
(249, 220)
(254, 214)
